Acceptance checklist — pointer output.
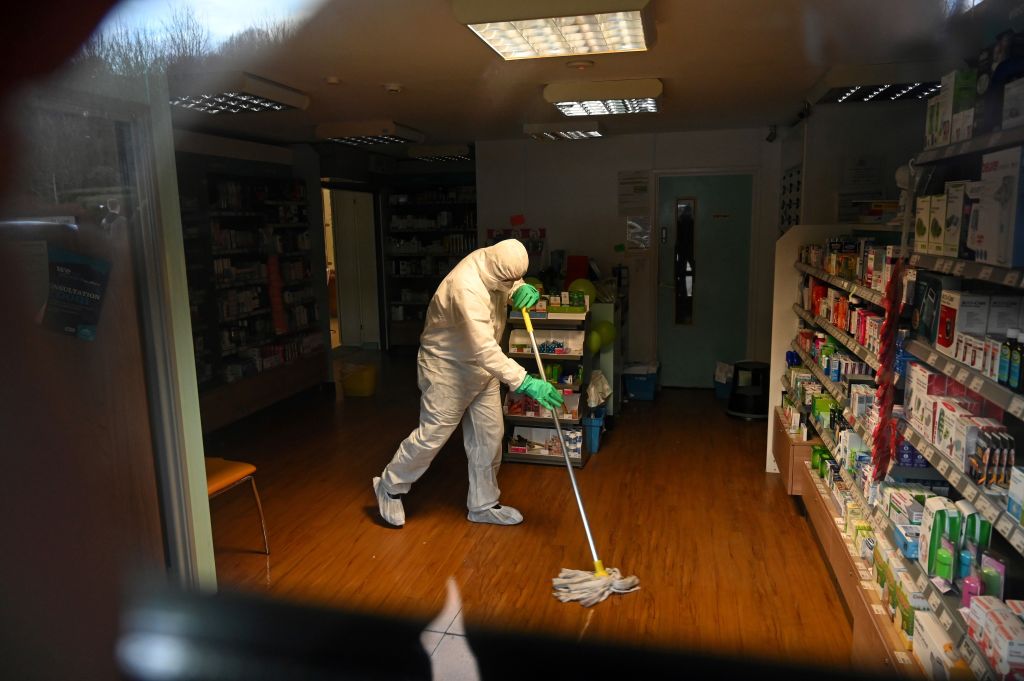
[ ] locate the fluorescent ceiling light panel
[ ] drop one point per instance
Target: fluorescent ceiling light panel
(368, 133)
(606, 97)
(431, 154)
(583, 130)
(232, 92)
(526, 29)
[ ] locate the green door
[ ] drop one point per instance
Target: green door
(703, 265)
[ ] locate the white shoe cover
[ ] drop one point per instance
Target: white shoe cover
(391, 510)
(497, 515)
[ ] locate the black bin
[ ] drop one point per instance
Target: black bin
(749, 398)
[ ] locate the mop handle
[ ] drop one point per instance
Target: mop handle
(598, 565)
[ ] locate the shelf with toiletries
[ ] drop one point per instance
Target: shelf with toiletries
(529, 432)
(871, 295)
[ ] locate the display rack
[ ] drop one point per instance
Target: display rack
(529, 362)
(976, 145)
(846, 339)
(968, 269)
(975, 381)
(249, 240)
(429, 225)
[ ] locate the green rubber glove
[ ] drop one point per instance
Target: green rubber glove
(525, 296)
(542, 391)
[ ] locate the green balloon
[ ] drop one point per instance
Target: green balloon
(607, 331)
(586, 287)
(535, 282)
(594, 342)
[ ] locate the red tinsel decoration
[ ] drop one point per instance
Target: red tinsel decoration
(884, 437)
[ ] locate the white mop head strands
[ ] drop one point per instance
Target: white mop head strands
(587, 589)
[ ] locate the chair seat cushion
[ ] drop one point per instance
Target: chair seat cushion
(222, 473)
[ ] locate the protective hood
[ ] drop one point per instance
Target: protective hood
(502, 264)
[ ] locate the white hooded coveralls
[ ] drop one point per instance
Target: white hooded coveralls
(459, 366)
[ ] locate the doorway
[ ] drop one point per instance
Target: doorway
(703, 267)
(351, 246)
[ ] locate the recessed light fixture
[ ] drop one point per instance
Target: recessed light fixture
(231, 93)
(579, 130)
(368, 133)
(447, 152)
(526, 29)
(605, 97)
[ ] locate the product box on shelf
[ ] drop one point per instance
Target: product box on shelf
(936, 651)
(998, 234)
(940, 521)
(1015, 500)
(948, 414)
(937, 225)
(1004, 637)
(959, 312)
(980, 610)
(1013, 104)
(927, 299)
(922, 218)
(957, 217)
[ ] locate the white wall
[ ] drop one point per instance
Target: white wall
(570, 188)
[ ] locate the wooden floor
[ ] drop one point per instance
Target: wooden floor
(677, 495)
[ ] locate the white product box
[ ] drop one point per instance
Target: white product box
(1004, 633)
(963, 125)
(997, 237)
(1015, 501)
(1003, 314)
(937, 225)
(923, 386)
(944, 132)
(935, 650)
(1013, 104)
(921, 221)
(977, 616)
(965, 437)
(941, 519)
(947, 415)
(960, 312)
(956, 203)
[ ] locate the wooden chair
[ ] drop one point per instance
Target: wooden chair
(223, 474)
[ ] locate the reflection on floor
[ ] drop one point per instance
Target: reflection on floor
(677, 495)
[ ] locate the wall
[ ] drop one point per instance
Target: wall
(836, 134)
(570, 188)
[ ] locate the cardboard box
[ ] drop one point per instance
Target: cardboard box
(998, 237)
(1004, 634)
(977, 616)
(963, 125)
(936, 651)
(930, 119)
(1003, 314)
(948, 414)
(923, 386)
(921, 222)
(944, 122)
(1015, 501)
(962, 85)
(959, 313)
(941, 520)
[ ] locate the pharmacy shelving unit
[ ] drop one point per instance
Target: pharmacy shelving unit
(530, 364)
(249, 238)
(427, 228)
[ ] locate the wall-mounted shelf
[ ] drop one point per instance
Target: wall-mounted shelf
(972, 378)
(870, 295)
(968, 269)
(976, 145)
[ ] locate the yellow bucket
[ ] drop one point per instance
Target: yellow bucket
(359, 380)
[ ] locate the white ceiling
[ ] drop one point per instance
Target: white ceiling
(724, 64)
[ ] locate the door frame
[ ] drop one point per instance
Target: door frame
(756, 173)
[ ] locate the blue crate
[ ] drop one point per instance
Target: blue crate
(640, 386)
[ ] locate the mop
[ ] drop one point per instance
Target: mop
(584, 587)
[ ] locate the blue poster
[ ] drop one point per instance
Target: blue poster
(77, 284)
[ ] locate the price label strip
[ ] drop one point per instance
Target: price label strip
(956, 479)
(961, 375)
(1005, 526)
(971, 493)
(865, 575)
(915, 259)
(985, 274)
(1016, 406)
(958, 268)
(1018, 538)
(901, 657)
(866, 585)
(934, 601)
(933, 358)
(946, 620)
(877, 609)
(943, 467)
(976, 384)
(922, 582)
(1011, 278)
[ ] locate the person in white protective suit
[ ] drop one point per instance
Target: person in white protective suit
(459, 366)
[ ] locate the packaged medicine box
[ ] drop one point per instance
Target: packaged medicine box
(937, 224)
(959, 312)
(997, 237)
(921, 222)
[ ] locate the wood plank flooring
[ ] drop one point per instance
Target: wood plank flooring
(677, 495)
